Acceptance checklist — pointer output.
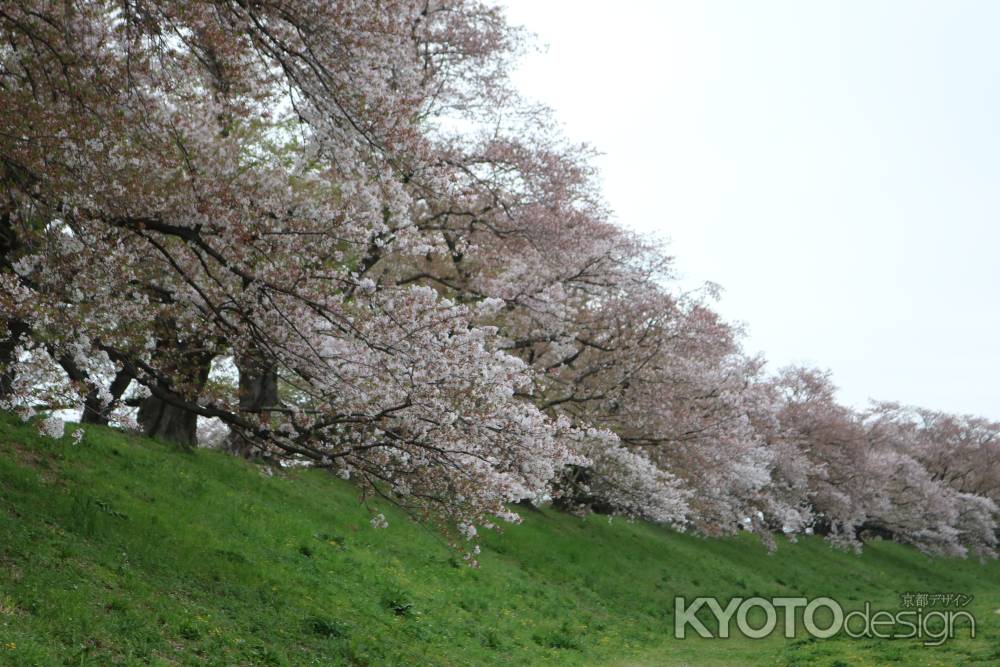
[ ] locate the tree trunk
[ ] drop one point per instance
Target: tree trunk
(169, 423)
(186, 368)
(15, 330)
(166, 422)
(258, 391)
(94, 411)
(258, 385)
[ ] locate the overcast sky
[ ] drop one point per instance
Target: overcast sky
(835, 166)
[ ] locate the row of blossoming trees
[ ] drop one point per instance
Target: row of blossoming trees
(335, 229)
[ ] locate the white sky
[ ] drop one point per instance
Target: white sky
(835, 166)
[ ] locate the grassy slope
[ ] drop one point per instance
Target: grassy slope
(124, 551)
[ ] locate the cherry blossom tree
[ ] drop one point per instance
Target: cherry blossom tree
(585, 303)
(881, 473)
(189, 180)
(950, 496)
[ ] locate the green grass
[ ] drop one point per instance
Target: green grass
(126, 551)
